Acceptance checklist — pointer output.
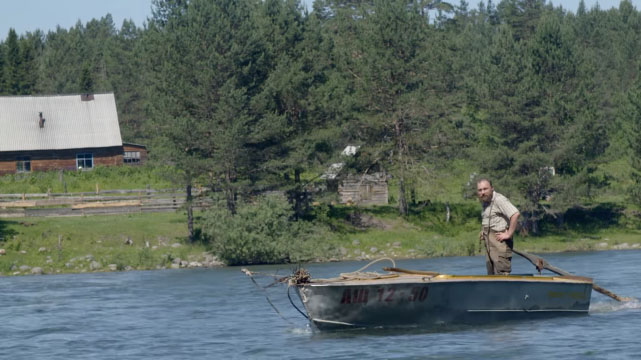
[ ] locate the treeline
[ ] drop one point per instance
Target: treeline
(253, 95)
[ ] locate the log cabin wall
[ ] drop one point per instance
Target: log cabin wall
(59, 159)
(135, 154)
(364, 190)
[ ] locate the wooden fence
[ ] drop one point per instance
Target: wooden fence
(99, 202)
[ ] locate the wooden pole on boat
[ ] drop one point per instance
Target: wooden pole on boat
(414, 272)
(541, 264)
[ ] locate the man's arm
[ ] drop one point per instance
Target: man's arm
(507, 234)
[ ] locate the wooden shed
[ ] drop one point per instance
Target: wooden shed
(62, 132)
(363, 189)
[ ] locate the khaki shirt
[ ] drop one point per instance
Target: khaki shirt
(499, 210)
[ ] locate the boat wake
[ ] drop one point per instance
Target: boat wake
(611, 306)
(300, 330)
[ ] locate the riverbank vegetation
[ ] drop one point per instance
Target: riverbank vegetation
(253, 97)
(262, 233)
(96, 243)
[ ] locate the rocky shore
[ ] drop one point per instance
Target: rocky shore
(89, 263)
(43, 253)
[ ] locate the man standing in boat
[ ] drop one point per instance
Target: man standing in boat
(499, 219)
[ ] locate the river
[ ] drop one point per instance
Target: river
(221, 314)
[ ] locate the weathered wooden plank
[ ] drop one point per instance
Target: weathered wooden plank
(105, 204)
(18, 204)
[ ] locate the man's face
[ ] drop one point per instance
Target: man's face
(484, 191)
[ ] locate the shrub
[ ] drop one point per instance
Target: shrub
(261, 232)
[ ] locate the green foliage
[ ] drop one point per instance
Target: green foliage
(249, 95)
(262, 233)
(434, 217)
(630, 116)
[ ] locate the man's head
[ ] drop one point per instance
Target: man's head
(484, 190)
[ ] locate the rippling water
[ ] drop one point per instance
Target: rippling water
(219, 313)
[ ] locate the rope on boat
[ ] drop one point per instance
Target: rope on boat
(301, 276)
(375, 261)
(251, 276)
(359, 274)
(294, 305)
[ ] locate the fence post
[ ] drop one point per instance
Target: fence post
(59, 247)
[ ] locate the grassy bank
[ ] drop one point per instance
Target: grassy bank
(426, 233)
(158, 240)
(93, 243)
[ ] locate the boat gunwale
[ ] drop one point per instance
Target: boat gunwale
(446, 278)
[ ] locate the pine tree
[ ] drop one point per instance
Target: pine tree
(13, 65)
(86, 84)
(629, 115)
(31, 46)
(208, 61)
(2, 69)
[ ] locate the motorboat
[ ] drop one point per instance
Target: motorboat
(414, 298)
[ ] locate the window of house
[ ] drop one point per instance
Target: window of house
(131, 157)
(84, 161)
(23, 164)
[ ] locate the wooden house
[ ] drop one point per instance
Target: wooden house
(363, 189)
(357, 189)
(62, 132)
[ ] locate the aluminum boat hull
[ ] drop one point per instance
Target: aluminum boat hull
(423, 301)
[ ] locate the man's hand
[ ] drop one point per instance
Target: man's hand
(507, 234)
(503, 236)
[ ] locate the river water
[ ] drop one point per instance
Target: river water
(221, 314)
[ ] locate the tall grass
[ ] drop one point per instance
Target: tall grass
(105, 178)
(70, 244)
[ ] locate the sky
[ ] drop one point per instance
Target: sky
(28, 15)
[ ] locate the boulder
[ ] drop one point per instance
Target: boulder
(36, 271)
(622, 246)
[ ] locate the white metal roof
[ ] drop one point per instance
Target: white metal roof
(70, 123)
